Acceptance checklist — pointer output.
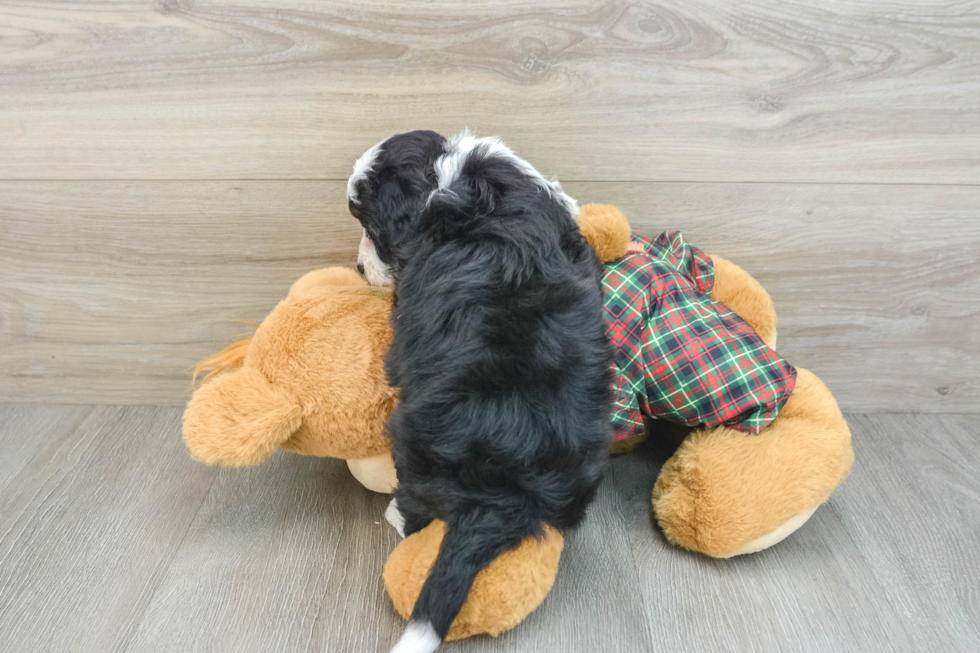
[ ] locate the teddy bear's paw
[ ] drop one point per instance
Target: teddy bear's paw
(394, 517)
(675, 506)
(376, 473)
(776, 536)
(239, 419)
(702, 505)
(726, 493)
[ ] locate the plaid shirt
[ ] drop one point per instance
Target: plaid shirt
(680, 355)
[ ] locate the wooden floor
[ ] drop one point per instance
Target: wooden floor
(113, 539)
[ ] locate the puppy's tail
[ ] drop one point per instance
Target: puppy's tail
(471, 543)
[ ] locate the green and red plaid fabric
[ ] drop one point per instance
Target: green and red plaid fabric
(680, 355)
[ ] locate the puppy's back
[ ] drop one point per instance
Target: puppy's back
(504, 371)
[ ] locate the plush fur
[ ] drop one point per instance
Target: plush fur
(499, 351)
(504, 592)
(723, 489)
(287, 386)
(240, 420)
(606, 229)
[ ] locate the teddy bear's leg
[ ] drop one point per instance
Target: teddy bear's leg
(376, 473)
(504, 592)
(725, 493)
(739, 291)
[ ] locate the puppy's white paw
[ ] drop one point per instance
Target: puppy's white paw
(394, 517)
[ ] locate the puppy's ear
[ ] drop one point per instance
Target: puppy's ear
(448, 211)
(400, 214)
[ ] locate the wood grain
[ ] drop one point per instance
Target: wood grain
(282, 557)
(24, 431)
(802, 596)
(595, 604)
(877, 287)
(288, 557)
(111, 291)
(112, 539)
(693, 90)
(102, 297)
(864, 574)
(915, 481)
(88, 526)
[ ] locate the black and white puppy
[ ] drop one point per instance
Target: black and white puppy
(499, 352)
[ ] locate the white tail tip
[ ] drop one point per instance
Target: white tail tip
(419, 637)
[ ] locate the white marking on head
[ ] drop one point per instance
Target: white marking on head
(459, 147)
(375, 271)
(362, 167)
(419, 637)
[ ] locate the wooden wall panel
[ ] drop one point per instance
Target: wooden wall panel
(166, 166)
(877, 287)
(110, 291)
(683, 90)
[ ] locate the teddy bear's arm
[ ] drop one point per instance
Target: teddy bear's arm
(605, 228)
(739, 291)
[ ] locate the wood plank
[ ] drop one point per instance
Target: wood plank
(100, 550)
(112, 290)
(877, 287)
(288, 557)
(596, 603)
(90, 524)
(692, 90)
(25, 430)
(914, 514)
(882, 566)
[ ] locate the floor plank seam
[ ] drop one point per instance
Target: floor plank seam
(636, 565)
(137, 622)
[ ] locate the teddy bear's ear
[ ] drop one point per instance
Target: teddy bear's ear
(335, 276)
(606, 229)
(239, 419)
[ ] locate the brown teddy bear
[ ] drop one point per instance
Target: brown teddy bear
(694, 336)
(310, 380)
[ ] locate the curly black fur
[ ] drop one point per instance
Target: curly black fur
(499, 354)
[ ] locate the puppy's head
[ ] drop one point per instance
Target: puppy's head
(387, 193)
(421, 184)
